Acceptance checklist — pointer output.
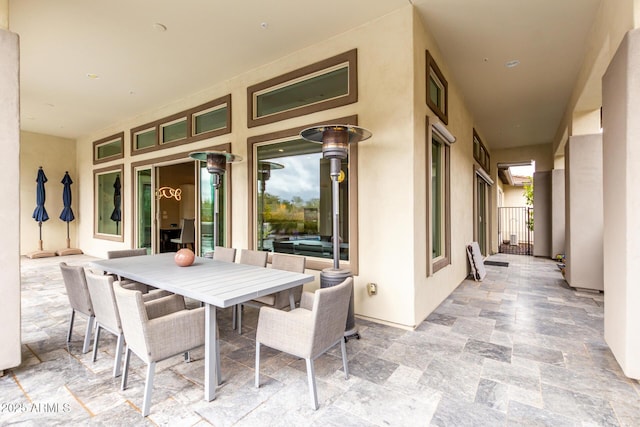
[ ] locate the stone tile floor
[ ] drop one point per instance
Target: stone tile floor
(519, 348)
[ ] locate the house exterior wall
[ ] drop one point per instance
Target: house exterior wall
(10, 350)
(621, 162)
(514, 197)
(56, 156)
(392, 204)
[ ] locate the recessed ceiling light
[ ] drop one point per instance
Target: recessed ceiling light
(264, 25)
(513, 63)
(93, 76)
(159, 27)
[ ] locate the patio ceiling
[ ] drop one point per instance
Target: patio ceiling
(137, 67)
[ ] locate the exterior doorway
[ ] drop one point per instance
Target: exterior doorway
(515, 232)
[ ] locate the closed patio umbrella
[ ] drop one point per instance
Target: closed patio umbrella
(67, 214)
(116, 215)
(40, 214)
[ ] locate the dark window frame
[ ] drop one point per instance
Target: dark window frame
(189, 116)
(432, 66)
(312, 263)
(350, 57)
(104, 141)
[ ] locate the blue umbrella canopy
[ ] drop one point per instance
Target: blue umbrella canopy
(67, 212)
(40, 213)
(116, 215)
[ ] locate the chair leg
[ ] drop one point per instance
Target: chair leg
(148, 387)
(73, 316)
(345, 365)
(311, 377)
(257, 364)
(87, 334)
(96, 340)
(125, 372)
(187, 357)
(117, 363)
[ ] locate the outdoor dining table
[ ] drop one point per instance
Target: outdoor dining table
(214, 283)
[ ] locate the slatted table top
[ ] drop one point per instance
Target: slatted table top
(222, 284)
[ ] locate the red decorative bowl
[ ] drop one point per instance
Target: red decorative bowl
(184, 257)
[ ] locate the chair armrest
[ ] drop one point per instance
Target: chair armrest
(175, 333)
(157, 307)
(306, 301)
(134, 286)
(288, 331)
(155, 294)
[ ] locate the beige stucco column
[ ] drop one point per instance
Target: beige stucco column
(10, 208)
(621, 191)
(4, 14)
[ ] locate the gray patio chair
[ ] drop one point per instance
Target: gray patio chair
(248, 257)
(282, 299)
(108, 317)
(221, 253)
(187, 233)
(153, 340)
(76, 285)
(308, 331)
(127, 283)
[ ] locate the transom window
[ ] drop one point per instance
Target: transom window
(109, 148)
(326, 84)
(437, 90)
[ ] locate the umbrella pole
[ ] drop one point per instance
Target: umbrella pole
(40, 235)
(68, 239)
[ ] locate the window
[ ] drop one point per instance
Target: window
(210, 119)
(145, 138)
(109, 148)
(437, 90)
(320, 86)
(291, 203)
(108, 191)
(174, 131)
(480, 153)
(439, 201)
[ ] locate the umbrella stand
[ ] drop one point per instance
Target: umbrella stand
(68, 250)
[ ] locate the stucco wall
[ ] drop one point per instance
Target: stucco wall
(431, 291)
(392, 192)
(583, 159)
(621, 163)
(56, 156)
(10, 350)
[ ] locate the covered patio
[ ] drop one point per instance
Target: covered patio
(519, 348)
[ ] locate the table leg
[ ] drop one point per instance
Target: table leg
(210, 343)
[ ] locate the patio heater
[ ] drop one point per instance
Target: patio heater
(264, 173)
(335, 141)
(216, 166)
